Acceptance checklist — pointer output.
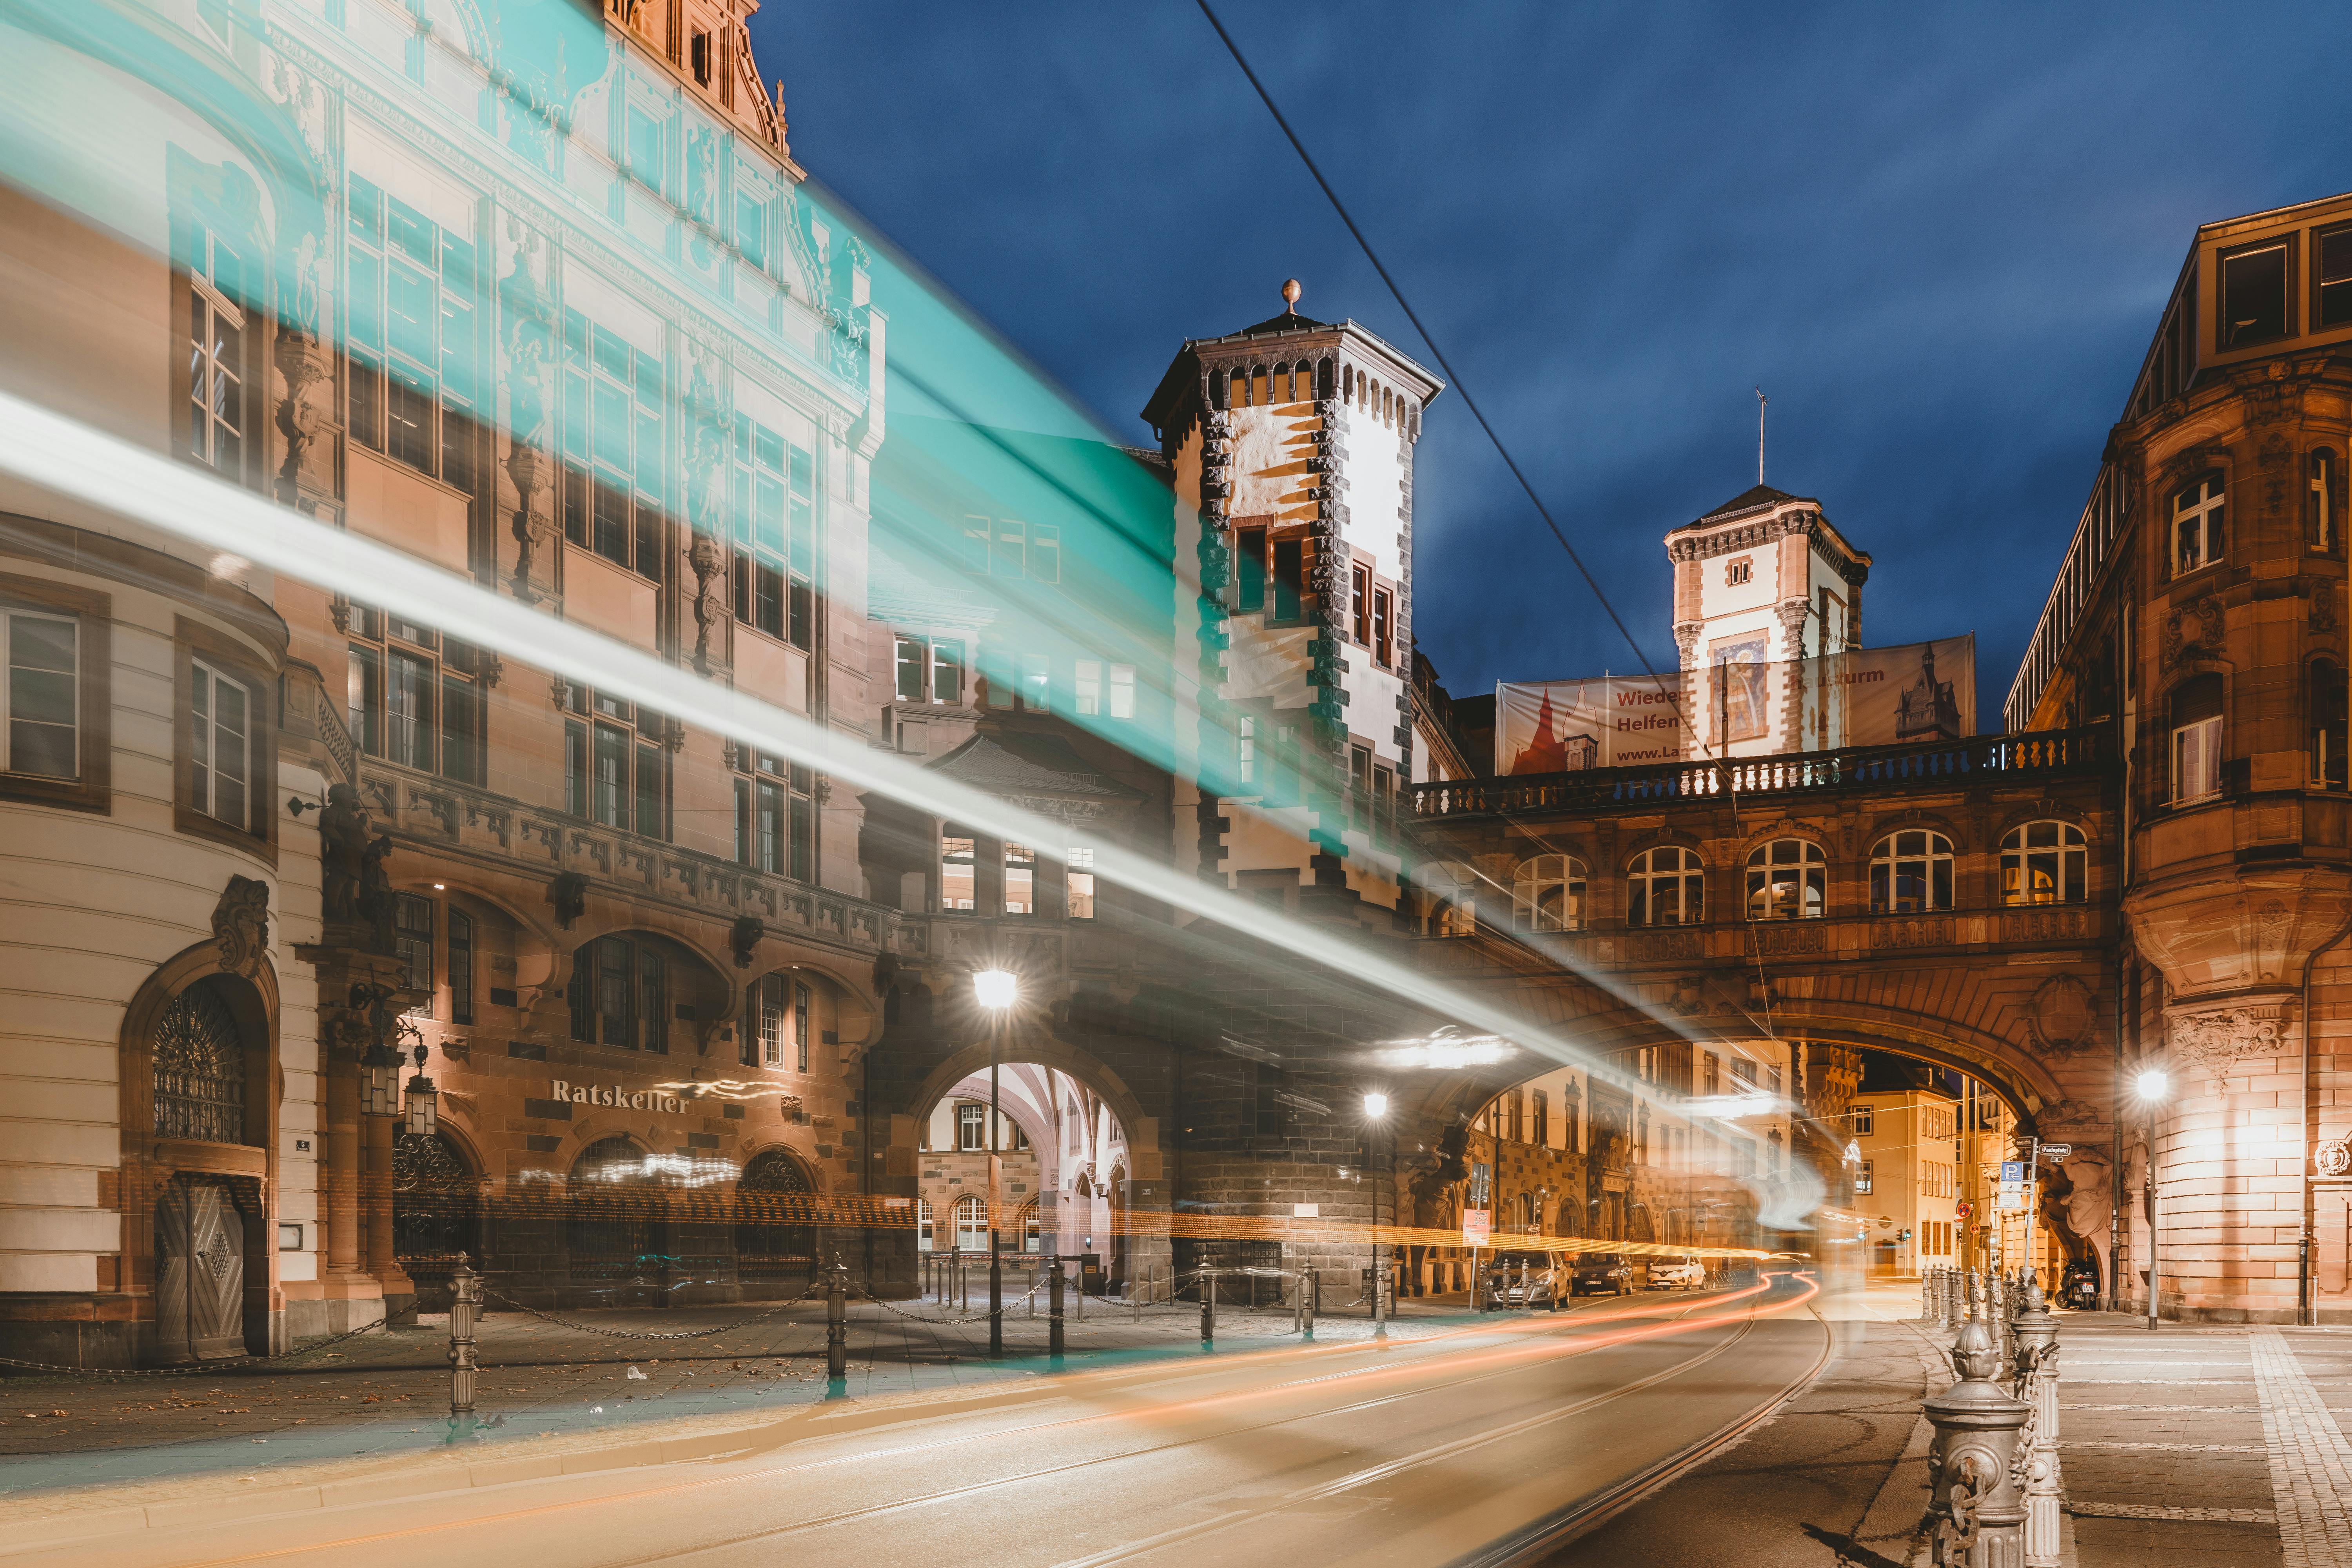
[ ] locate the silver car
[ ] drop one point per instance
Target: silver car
(1686, 1272)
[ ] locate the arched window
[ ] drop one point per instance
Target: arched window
(620, 994)
(1326, 379)
(1547, 894)
(1030, 1237)
(2197, 513)
(1217, 389)
(199, 1069)
(924, 1225)
(1787, 880)
(1665, 887)
(2044, 863)
(2197, 738)
(2319, 502)
(972, 1223)
(1453, 890)
(2326, 710)
(1911, 873)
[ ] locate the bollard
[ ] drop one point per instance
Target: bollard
(464, 1311)
(1053, 1305)
(1949, 1289)
(1208, 1277)
(1306, 1306)
(1926, 1292)
(1972, 1470)
(837, 1325)
(2037, 1379)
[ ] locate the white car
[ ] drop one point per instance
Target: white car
(1686, 1272)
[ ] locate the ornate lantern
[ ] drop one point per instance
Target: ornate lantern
(380, 1082)
(423, 1100)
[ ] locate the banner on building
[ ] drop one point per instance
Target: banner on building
(1739, 702)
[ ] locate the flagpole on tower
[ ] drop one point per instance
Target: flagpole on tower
(1761, 402)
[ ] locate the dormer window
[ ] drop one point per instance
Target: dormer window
(1737, 572)
(2253, 296)
(2333, 283)
(699, 54)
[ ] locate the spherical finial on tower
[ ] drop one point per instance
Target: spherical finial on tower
(1290, 292)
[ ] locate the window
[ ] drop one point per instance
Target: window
(410, 292)
(1543, 1118)
(1547, 894)
(1080, 897)
(1667, 886)
(2253, 296)
(698, 53)
(1249, 570)
(416, 697)
(775, 814)
(1735, 573)
(42, 699)
(1360, 582)
(930, 669)
(614, 465)
(1787, 880)
(1036, 689)
(2319, 501)
(1122, 692)
(1864, 1176)
(1862, 1121)
(1289, 578)
(775, 533)
(779, 1022)
(620, 994)
(221, 751)
(971, 1224)
(1020, 880)
(215, 408)
(616, 763)
(1454, 898)
(2197, 739)
(1008, 547)
(2196, 515)
(1710, 1080)
(2333, 281)
(924, 1239)
(1516, 1103)
(411, 941)
(2043, 863)
(957, 885)
(1359, 786)
(461, 967)
(1383, 626)
(972, 1128)
(2326, 710)
(1911, 873)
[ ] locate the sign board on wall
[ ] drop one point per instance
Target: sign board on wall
(1568, 726)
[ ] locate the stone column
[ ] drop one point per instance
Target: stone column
(399, 1290)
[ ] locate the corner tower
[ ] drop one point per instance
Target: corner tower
(1291, 447)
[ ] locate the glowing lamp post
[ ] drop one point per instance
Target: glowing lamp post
(380, 1080)
(423, 1100)
(995, 990)
(2154, 1087)
(1375, 1110)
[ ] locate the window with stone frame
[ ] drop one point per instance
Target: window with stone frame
(619, 995)
(930, 669)
(222, 721)
(1547, 894)
(412, 944)
(416, 696)
(200, 1070)
(2197, 739)
(616, 761)
(40, 699)
(614, 471)
(2256, 303)
(1541, 1112)
(959, 875)
(1788, 879)
(2044, 862)
(215, 411)
(2319, 524)
(972, 1223)
(776, 1024)
(1911, 873)
(2198, 512)
(2325, 705)
(413, 346)
(777, 523)
(1665, 886)
(775, 813)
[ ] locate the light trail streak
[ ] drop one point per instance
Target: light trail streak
(72, 459)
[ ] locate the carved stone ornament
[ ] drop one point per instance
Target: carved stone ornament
(2069, 1114)
(2061, 1016)
(241, 925)
(2332, 1157)
(569, 893)
(744, 937)
(1690, 999)
(2217, 1040)
(2192, 631)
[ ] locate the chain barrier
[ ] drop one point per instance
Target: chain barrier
(628, 1334)
(1957, 1530)
(952, 1322)
(194, 1367)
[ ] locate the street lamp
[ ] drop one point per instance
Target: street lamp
(995, 990)
(2153, 1086)
(380, 1080)
(1375, 1110)
(424, 1099)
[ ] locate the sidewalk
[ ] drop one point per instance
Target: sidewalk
(387, 1391)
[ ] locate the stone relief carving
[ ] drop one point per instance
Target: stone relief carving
(529, 322)
(2218, 1041)
(241, 925)
(2273, 924)
(2192, 631)
(2061, 1016)
(2332, 1157)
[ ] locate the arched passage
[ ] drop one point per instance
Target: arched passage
(775, 1238)
(437, 1211)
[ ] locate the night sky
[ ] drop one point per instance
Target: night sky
(1939, 241)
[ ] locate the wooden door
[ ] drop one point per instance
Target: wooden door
(199, 1271)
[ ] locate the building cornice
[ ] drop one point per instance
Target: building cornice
(1706, 540)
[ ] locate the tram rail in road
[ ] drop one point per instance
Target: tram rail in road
(1490, 1442)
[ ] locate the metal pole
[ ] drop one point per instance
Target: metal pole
(1053, 1305)
(2155, 1201)
(995, 1262)
(836, 1324)
(1208, 1308)
(465, 1309)
(1380, 1273)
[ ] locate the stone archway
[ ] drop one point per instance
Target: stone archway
(437, 1211)
(775, 1236)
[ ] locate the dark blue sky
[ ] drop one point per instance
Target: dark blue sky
(1938, 241)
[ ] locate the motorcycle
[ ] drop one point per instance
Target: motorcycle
(2081, 1290)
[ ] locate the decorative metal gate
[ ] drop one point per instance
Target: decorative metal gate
(436, 1213)
(199, 1059)
(614, 1223)
(775, 1246)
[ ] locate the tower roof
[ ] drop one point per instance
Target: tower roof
(1749, 500)
(1180, 389)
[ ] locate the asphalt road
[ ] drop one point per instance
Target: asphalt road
(1434, 1450)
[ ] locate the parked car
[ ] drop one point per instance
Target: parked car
(1523, 1279)
(1596, 1273)
(1667, 1272)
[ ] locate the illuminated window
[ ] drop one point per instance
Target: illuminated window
(1454, 898)
(1911, 873)
(2319, 501)
(1080, 896)
(1020, 880)
(971, 1224)
(1864, 1176)
(957, 883)
(1787, 880)
(1547, 894)
(923, 1225)
(2043, 863)
(1862, 1121)
(1666, 886)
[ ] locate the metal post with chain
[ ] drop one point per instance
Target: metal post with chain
(465, 1312)
(1053, 1305)
(837, 1326)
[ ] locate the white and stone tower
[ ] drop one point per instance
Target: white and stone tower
(1291, 448)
